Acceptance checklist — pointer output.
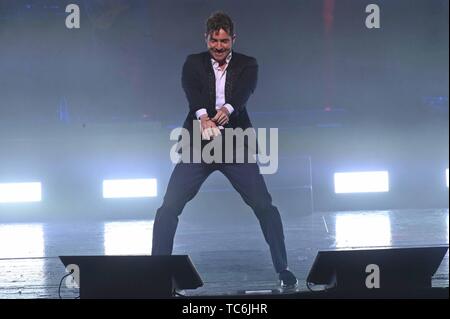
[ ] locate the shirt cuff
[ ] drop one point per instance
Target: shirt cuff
(229, 108)
(200, 113)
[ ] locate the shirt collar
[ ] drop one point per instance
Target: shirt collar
(215, 64)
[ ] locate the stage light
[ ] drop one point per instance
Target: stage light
(20, 192)
(361, 182)
(129, 188)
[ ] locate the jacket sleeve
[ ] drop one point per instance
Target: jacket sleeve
(192, 86)
(245, 86)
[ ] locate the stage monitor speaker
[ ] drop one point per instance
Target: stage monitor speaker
(132, 277)
(389, 269)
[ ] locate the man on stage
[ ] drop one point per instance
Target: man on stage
(218, 84)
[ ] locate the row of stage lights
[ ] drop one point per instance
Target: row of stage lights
(344, 183)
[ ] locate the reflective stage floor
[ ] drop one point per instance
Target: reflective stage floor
(230, 256)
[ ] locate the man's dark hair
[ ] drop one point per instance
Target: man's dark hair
(219, 20)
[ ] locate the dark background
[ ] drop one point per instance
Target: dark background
(124, 63)
(77, 106)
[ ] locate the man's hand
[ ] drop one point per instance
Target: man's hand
(222, 117)
(209, 128)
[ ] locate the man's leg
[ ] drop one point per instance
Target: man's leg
(248, 181)
(184, 184)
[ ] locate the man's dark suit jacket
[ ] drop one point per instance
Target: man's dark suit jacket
(199, 84)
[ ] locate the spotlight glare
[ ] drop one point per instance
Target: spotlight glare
(20, 192)
(361, 182)
(129, 188)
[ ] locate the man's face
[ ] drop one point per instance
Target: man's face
(219, 44)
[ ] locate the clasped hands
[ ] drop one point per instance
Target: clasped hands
(209, 125)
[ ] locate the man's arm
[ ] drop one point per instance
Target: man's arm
(192, 86)
(193, 90)
(245, 86)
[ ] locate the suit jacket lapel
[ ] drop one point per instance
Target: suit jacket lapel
(229, 80)
(211, 84)
(232, 73)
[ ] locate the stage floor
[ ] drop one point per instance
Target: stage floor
(230, 255)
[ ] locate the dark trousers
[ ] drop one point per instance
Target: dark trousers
(184, 184)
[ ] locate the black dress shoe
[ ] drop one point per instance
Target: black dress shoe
(288, 281)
